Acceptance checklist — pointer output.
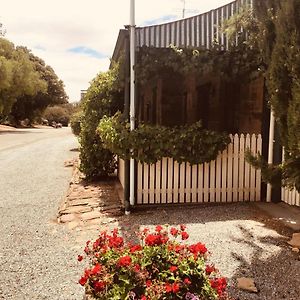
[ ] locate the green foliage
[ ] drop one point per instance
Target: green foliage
(161, 266)
(18, 76)
(239, 62)
(31, 106)
(270, 173)
(274, 31)
(75, 122)
(104, 97)
(148, 143)
(58, 114)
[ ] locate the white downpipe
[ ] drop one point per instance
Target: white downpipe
(270, 152)
(132, 94)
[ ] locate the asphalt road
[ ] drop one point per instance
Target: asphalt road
(37, 256)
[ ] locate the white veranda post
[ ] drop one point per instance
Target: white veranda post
(132, 95)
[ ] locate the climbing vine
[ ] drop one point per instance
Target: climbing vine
(149, 143)
(239, 62)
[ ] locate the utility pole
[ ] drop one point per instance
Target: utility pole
(183, 10)
(132, 96)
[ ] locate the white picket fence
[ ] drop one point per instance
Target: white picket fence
(227, 179)
(291, 197)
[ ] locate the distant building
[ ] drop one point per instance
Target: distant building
(82, 94)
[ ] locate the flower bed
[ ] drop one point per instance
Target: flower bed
(161, 266)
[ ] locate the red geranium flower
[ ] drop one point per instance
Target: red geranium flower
(124, 261)
(172, 288)
(135, 248)
(173, 268)
(174, 231)
(80, 258)
(168, 288)
(99, 286)
(182, 227)
(155, 239)
(209, 269)
(184, 235)
(219, 284)
(175, 288)
(198, 248)
(137, 268)
(148, 283)
(96, 269)
(158, 228)
(82, 281)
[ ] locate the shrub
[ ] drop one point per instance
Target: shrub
(103, 97)
(75, 122)
(161, 266)
(57, 114)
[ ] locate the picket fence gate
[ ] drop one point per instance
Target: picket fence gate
(229, 178)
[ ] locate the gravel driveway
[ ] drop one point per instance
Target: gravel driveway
(37, 256)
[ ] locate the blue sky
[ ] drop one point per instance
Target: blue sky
(77, 38)
(88, 52)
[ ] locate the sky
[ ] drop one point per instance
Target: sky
(77, 38)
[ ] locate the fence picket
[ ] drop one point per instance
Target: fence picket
(164, 165)
(258, 172)
(206, 182)
(247, 170)
(145, 199)
(139, 199)
(194, 183)
(181, 182)
(170, 180)
(252, 170)
(121, 172)
(229, 170)
(188, 183)
(200, 183)
(212, 182)
(218, 177)
(151, 187)
(176, 182)
(235, 167)
(241, 168)
(224, 176)
(158, 171)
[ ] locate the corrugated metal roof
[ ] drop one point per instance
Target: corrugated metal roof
(198, 31)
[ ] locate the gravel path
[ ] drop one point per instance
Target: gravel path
(37, 256)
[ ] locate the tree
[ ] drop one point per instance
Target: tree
(30, 106)
(18, 77)
(279, 43)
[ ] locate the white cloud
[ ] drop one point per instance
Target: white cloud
(50, 28)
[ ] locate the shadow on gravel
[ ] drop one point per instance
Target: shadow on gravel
(276, 273)
(74, 150)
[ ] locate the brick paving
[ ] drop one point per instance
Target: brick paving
(89, 204)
